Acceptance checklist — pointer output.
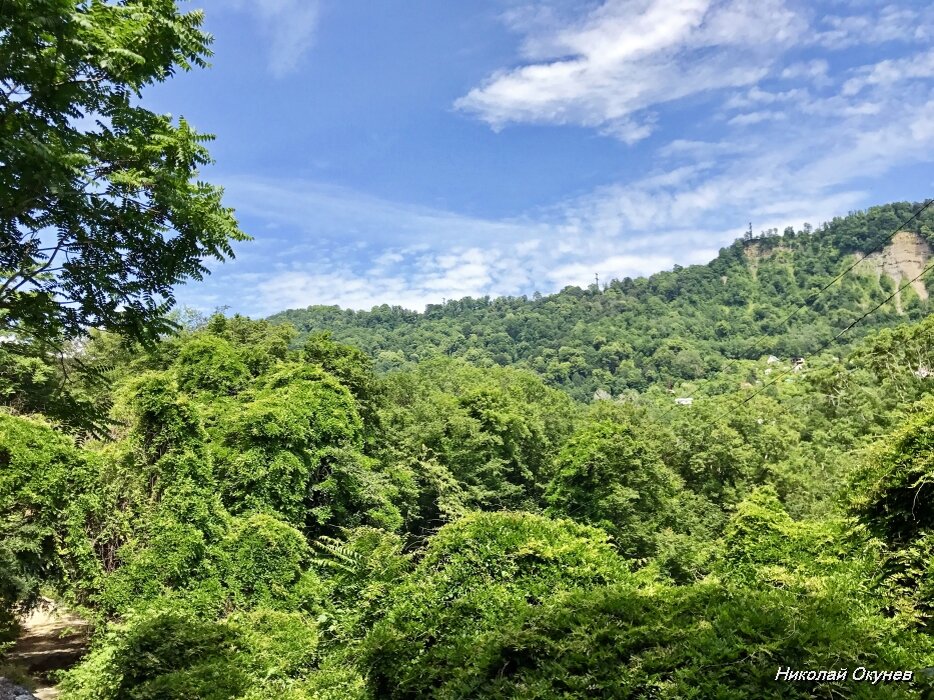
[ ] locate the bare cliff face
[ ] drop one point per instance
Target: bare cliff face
(902, 259)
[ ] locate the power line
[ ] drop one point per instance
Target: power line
(824, 345)
(812, 298)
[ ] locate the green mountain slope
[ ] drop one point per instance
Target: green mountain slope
(263, 520)
(673, 326)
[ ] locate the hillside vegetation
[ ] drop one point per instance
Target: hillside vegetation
(619, 492)
(673, 326)
(269, 516)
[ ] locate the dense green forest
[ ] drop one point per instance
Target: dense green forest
(263, 516)
(656, 489)
(673, 326)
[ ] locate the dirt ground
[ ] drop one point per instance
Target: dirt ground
(52, 640)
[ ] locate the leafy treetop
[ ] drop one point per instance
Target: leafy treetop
(101, 213)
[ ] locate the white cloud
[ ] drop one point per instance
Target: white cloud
(784, 144)
(433, 254)
(815, 71)
(756, 97)
(891, 71)
(421, 278)
(288, 27)
(628, 131)
(357, 251)
(317, 213)
(751, 118)
(700, 151)
(810, 177)
(628, 55)
(890, 23)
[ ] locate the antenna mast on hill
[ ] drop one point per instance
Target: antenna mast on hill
(597, 278)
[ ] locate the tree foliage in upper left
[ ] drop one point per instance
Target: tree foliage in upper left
(101, 211)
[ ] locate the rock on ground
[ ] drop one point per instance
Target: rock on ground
(9, 691)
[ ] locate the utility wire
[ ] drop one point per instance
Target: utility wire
(812, 298)
(823, 346)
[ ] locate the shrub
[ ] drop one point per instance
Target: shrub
(39, 470)
(209, 363)
(261, 560)
(610, 477)
(477, 575)
(162, 656)
(708, 640)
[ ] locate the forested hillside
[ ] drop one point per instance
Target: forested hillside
(653, 490)
(673, 326)
(263, 520)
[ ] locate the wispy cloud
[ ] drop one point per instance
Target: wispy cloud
(750, 118)
(815, 71)
(624, 57)
(358, 251)
(891, 72)
(894, 22)
(316, 212)
(788, 132)
(337, 251)
(289, 29)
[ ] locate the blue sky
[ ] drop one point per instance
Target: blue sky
(407, 151)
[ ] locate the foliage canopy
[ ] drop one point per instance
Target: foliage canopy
(101, 213)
